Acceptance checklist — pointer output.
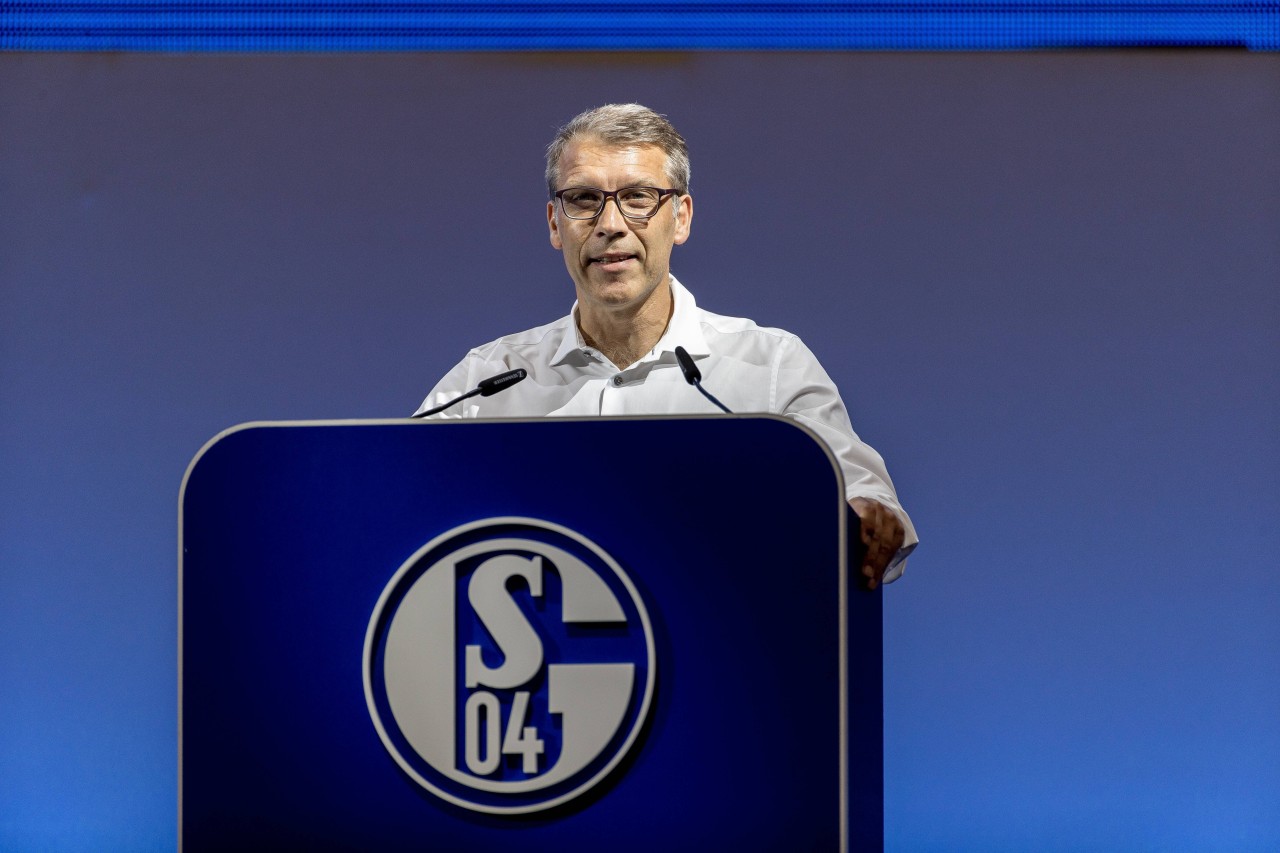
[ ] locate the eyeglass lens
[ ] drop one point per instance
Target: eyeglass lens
(586, 202)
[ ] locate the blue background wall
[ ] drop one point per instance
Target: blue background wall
(1045, 282)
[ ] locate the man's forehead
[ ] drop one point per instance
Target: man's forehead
(593, 155)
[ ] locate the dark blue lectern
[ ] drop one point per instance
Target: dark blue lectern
(572, 635)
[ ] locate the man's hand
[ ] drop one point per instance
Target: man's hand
(882, 534)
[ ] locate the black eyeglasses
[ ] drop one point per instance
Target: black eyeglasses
(632, 202)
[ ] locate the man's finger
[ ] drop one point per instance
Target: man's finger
(872, 558)
(889, 536)
(879, 548)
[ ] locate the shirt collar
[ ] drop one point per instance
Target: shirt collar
(682, 330)
(571, 343)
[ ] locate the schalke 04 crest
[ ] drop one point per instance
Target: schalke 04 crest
(509, 665)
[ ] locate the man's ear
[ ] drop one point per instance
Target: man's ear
(553, 226)
(683, 218)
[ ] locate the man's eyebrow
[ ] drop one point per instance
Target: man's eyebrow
(629, 182)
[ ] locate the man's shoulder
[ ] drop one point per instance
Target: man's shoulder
(539, 337)
(722, 324)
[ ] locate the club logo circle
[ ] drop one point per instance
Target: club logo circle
(509, 665)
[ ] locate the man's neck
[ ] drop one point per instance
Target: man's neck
(626, 336)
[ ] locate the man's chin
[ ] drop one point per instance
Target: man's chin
(614, 292)
(614, 297)
(601, 283)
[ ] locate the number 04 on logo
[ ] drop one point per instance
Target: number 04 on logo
(509, 665)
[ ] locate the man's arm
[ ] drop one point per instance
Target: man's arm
(806, 393)
(455, 383)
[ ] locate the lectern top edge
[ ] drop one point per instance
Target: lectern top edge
(347, 422)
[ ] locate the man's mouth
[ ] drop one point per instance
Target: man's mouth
(612, 258)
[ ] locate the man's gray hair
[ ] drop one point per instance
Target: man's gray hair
(623, 125)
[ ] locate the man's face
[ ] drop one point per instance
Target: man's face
(616, 262)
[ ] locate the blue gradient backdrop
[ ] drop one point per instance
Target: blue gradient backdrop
(1046, 282)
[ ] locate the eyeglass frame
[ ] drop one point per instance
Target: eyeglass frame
(608, 194)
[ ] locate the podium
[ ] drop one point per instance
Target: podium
(553, 634)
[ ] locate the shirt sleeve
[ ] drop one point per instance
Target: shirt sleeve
(802, 390)
(455, 383)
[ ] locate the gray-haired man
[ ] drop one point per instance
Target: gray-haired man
(618, 179)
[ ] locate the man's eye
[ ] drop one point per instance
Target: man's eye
(638, 195)
(583, 198)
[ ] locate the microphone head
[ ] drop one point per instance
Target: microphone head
(692, 374)
(501, 382)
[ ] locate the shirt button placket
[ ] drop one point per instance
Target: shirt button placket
(611, 398)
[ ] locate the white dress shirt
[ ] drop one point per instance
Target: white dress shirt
(749, 368)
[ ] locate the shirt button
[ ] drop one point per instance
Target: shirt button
(617, 380)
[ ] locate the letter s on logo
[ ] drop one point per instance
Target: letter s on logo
(515, 637)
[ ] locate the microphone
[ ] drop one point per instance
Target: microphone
(486, 388)
(693, 376)
(501, 382)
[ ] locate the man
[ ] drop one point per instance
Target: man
(618, 178)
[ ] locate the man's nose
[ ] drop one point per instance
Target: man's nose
(610, 219)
